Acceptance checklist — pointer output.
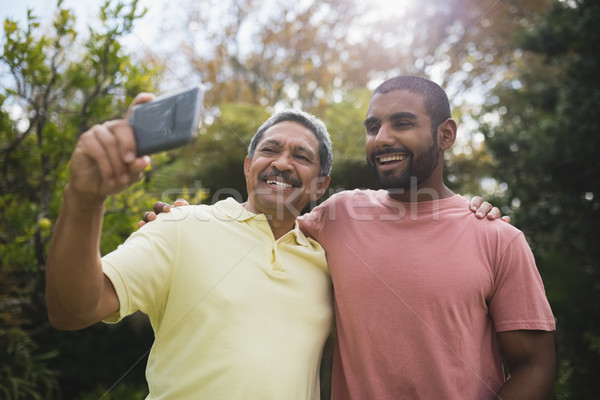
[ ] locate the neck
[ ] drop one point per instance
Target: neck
(420, 194)
(280, 227)
(279, 222)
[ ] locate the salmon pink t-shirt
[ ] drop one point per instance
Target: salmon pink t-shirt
(421, 289)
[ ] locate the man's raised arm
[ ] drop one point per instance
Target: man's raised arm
(103, 163)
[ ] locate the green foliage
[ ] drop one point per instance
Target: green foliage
(546, 146)
(54, 87)
(102, 358)
(23, 371)
(124, 391)
(345, 123)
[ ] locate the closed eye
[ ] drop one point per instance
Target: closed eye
(401, 124)
(268, 150)
(372, 128)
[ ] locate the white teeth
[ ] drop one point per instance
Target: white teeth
(385, 159)
(280, 184)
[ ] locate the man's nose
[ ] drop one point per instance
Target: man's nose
(384, 136)
(282, 162)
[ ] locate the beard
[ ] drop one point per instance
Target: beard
(418, 170)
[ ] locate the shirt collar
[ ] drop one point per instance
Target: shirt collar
(300, 237)
(233, 210)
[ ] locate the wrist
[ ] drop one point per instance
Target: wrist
(82, 200)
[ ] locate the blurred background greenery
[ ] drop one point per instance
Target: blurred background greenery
(522, 75)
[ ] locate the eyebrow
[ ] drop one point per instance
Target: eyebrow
(403, 115)
(393, 117)
(270, 142)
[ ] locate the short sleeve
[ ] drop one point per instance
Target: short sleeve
(141, 268)
(519, 300)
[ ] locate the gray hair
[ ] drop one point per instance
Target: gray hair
(307, 120)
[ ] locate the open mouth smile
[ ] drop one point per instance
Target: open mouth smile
(280, 181)
(389, 158)
(279, 184)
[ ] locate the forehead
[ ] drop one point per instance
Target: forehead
(396, 101)
(292, 134)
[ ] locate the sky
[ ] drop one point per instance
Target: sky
(17, 9)
(86, 12)
(146, 36)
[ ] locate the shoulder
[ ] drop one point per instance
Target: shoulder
(337, 209)
(495, 234)
(186, 214)
(167, 226)
(351, 198)
(458, 215)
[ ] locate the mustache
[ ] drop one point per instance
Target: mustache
(278, 174)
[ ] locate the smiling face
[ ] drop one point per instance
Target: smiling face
(401, 148)
(283, 174)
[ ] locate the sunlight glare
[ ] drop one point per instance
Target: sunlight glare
(388, 8)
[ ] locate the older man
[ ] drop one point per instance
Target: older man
(239, 299)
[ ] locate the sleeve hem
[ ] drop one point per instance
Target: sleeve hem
(548, 326)
(117, 281)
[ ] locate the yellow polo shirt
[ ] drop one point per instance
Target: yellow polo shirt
(236, 314)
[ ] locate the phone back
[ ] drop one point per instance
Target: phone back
(166, 122)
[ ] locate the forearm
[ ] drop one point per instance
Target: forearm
(531, 362)
(529, 383)
(74, 278)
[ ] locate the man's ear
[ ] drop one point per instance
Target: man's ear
(447, 134)
(247, 162)
(322, 185)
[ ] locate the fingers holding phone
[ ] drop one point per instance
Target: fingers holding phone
(140, 98)
(110, 157)
(104, 161)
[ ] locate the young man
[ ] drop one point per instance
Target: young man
(427, 298)
(239, 299)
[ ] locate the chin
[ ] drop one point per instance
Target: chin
(394, 182)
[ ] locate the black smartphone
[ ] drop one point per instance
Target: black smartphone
(169, 121)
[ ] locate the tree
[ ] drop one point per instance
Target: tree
(246, 51)
(318, 55)
(311, 53)
(53, 89)
(544, 143)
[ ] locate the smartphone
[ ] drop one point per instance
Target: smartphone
(169, 121)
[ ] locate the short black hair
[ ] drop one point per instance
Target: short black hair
(437, 105)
